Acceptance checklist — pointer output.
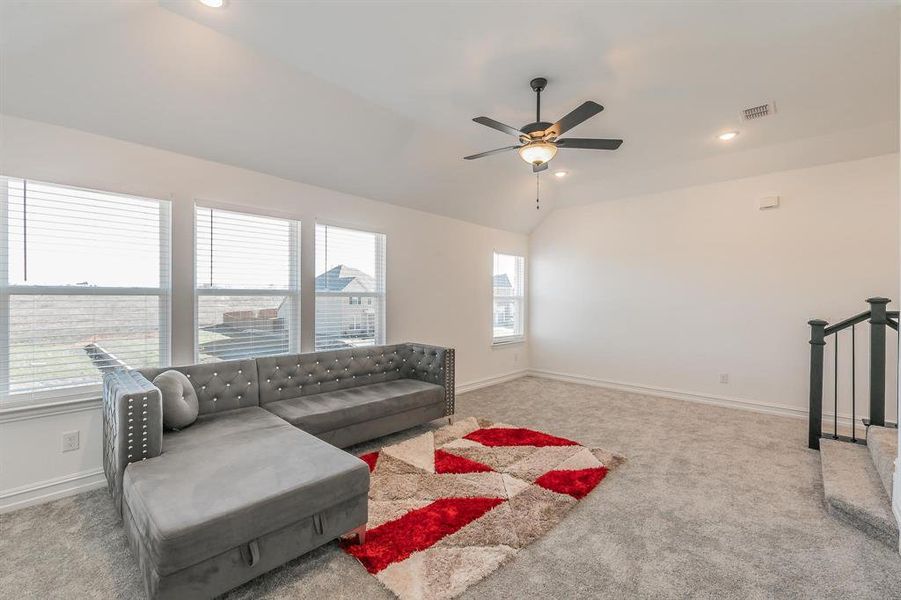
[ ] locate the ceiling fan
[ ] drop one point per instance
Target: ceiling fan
(539, 141)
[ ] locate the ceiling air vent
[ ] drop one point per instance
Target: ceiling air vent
(758, 112)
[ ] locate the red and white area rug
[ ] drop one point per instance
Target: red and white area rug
(448, 507)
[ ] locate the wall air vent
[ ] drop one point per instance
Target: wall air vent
(758, 112)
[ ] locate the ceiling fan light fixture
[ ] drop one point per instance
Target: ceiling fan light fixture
(538, 153)
(213, 3)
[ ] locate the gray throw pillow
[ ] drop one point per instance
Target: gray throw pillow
(179, 399)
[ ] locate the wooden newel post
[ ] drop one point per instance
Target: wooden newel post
(878, 321)
(815, 410)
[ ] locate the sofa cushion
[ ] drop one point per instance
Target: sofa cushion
(328, 411)
(179, 399)
(231, 478)
(210, 428)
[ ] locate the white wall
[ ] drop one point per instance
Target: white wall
(438, 270)
(668, 291)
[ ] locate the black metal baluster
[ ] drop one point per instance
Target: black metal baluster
(853, 385)
(835, 393)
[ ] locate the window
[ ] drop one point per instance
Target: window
(247, 272)
(84, 287)
(509, 305)
(350, 266)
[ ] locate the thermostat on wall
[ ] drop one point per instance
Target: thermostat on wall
(768, 202)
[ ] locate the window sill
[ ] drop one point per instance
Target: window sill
(508, 342)
(24, 411)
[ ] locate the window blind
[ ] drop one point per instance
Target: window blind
(509, 294)
(247, 272)
(350, 288)
(84, 287)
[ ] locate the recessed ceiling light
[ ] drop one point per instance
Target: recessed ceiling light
(561, 173)
(727, 136)
(213, 3)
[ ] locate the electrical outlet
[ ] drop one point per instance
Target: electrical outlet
(724, 378)
(515, 358)
(71, 441)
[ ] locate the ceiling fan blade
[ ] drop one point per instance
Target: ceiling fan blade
(580, 114)
(490, 152)
(539, 168)
(588, 143)
(499, 126)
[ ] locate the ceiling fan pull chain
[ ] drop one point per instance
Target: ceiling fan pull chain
(537, 191)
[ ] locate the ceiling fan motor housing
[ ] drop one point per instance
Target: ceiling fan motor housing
(536, 126)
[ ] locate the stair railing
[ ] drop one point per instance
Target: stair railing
(879, 318)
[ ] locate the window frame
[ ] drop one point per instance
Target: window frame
(295, 287)
(518, 299)
(381, 326)
(17, 400)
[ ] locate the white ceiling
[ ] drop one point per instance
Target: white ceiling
(375, 98)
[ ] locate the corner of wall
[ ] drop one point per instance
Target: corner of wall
(896, 497)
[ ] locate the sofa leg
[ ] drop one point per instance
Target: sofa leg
(360, 534)
(450, 420)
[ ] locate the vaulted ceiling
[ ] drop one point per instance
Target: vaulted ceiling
(376, 98)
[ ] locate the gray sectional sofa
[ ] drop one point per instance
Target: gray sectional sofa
(258, 479)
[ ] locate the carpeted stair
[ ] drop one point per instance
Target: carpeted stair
(854, 490)
(882, 442)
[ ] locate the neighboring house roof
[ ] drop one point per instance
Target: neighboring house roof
(502, 281)
(345, 279)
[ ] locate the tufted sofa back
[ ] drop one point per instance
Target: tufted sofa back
(292, 375)
(234, 384)
(220, 386)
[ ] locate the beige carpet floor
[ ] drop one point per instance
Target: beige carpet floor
(712, 503)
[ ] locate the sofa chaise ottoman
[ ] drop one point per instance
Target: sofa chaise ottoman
(258, 479)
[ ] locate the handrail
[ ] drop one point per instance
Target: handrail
(847, 323)
(878, 318)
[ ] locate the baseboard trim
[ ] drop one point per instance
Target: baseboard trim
(488, 381)
(648, 390)
(51, 489)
